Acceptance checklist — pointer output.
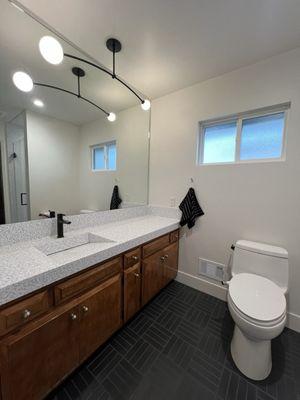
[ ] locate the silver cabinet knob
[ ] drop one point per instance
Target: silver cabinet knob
(136, 275)
(135, 258)
(85, 309)
(166, 255)
(162, 258)
(26, 314)
(73, 316)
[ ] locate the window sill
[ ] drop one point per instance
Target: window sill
(103, 170)
(263, 161)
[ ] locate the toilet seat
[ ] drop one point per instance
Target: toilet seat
(247, 319)
(257, 299)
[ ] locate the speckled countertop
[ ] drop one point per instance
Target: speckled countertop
(26, 267)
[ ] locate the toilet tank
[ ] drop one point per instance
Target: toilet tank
(261, 259)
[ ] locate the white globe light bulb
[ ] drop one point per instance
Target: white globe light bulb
(51, 50)
(22, 81)
(38, 103)
(111, 117)
(146, 105)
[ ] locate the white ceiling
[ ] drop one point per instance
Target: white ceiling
(19, 37)
(170, 44)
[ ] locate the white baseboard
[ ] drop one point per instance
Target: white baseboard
(216, 290)
(203, 285)
(293, 322)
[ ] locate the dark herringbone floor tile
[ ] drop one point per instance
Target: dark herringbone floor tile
(163, 299)
(122, 381)
(178, 307)
(124, 340)
(205, 302)
(140, 323)
(169, 320)
(104, 361)
(178, 348)
(197, 317)
(99, 394)
(189, 332)
(175, 289)
(192, 389)
(235, 387)
(206, 371)
(214, 346)
(179, 351)
(158, 336)
(59, 393)
(153, 310)
(142, 355)
(161, 382)
(188, 295)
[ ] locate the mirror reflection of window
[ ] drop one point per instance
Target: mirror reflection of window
(104, 157)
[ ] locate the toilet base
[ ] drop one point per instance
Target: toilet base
(253, 358)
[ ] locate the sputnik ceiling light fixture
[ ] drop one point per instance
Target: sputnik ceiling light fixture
(24, 82)
(79, 73)
(52, 51)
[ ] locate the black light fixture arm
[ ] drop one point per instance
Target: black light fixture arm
(88, 62)
(72, 93)
(128, 87)
(78, 86)
(114, 60)
(112, 74)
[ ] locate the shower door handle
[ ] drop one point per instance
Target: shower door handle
(23, 203)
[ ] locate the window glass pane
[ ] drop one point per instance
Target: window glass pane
(262, 137)
(112, 156)
(99, 160)
(219, 143)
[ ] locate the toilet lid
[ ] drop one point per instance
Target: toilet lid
(257, 297)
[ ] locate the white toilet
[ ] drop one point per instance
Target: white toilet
(256, 301)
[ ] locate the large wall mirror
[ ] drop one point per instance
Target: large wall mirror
(59, 152)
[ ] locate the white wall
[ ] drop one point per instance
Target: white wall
(252, 201)
(53, 153)
(130, 130)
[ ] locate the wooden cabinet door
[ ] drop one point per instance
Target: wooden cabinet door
(38, 358)
(100, 315)
(152, 276)
(158, 270)
(170, 263)
(132, 291)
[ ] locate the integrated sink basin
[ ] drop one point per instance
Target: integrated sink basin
(53, 245)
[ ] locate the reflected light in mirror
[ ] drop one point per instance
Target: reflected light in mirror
(111, 117)
(146, 105)
(38, 103)
(51, 50)
(22, 81)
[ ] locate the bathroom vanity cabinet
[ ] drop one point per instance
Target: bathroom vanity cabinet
(46, 335)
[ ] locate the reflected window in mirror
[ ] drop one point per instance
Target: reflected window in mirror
(104, 157)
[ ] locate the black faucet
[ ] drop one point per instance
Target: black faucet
(46, 215)
(60, 225)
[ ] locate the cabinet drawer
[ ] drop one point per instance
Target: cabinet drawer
(132, 257)
(174, 236)
(24, 311)
(74, 286)
(155, 245)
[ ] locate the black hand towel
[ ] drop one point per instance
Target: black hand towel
(190, 208)
(115, 199)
